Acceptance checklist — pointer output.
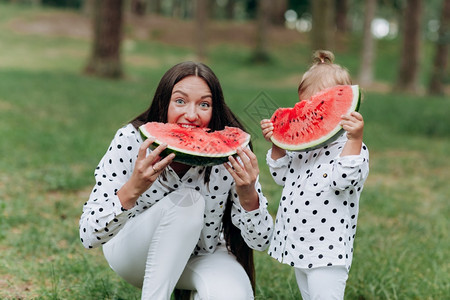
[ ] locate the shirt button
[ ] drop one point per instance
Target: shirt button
(325, 175)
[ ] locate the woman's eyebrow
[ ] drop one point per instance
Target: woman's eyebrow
(179, 91)
(185, 94)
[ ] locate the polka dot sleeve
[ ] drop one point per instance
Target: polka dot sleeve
(350, 171)
(278, 168)
(103, 214)
(256, 226)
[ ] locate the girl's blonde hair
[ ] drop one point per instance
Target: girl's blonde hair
(322, 74)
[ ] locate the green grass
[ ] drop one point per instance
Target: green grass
(56, 124)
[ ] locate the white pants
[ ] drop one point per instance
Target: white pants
(322, 283)
(153, 251)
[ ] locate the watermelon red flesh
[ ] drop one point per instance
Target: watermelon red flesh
(196, 146)
(314, 122)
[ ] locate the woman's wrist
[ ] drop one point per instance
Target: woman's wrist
(127, 196)
(250, 200)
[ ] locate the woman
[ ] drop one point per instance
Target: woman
(163, 224)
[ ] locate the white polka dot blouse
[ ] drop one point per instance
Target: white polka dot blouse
(318, 211)
(103, 216)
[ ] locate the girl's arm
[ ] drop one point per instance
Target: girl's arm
(277, 159)
(267, 130)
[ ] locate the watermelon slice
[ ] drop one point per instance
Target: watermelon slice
(314, 122)
(196, 146)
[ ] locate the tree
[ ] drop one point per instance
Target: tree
(408, 75)
(138, 7)
(278, 8)
(436, 86)
(322, 24)
(261, 52)
(341, 16)
(229, 9)
(105, 60)
(201, 16)
(155, 6)
(365, 77)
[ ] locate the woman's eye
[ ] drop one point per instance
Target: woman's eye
(205, 105)
(179, 101)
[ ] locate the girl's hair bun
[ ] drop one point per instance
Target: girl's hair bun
(323, 56)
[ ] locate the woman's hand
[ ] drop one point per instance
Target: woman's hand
(353, 123)
(267, 131)
(245, 174)
(146, 170)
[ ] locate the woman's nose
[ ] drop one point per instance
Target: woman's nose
(191, 114)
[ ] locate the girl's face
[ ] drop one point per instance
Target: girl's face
(190, 103)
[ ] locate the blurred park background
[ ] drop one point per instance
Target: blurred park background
(72, 72)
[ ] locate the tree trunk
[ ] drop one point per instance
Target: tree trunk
(341, 16)
(155, 6)
(322, 24)
(261, 52)
(177, 9)
(138, 7)
(408, 77)
(229, 9)
(105, 58)
(201, 16)
(278, 8)
(368, 49)
(438, 74)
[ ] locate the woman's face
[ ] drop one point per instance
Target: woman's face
(190, 103)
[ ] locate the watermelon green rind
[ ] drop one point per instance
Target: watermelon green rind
(190, 157)
(332, 135)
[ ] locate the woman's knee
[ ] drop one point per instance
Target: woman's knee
(217, 276)
(128, 251)
(226, 290)
(241, 292)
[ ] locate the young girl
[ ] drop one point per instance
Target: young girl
(163, 224)
(316, 220)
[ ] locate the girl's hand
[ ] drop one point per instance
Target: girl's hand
(353, 123)
(267, 129)
(245, 174)
(146, 170)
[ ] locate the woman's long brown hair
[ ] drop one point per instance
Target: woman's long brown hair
(221, 116)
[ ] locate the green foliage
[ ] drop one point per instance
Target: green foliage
(420, 116)
(56, 124)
